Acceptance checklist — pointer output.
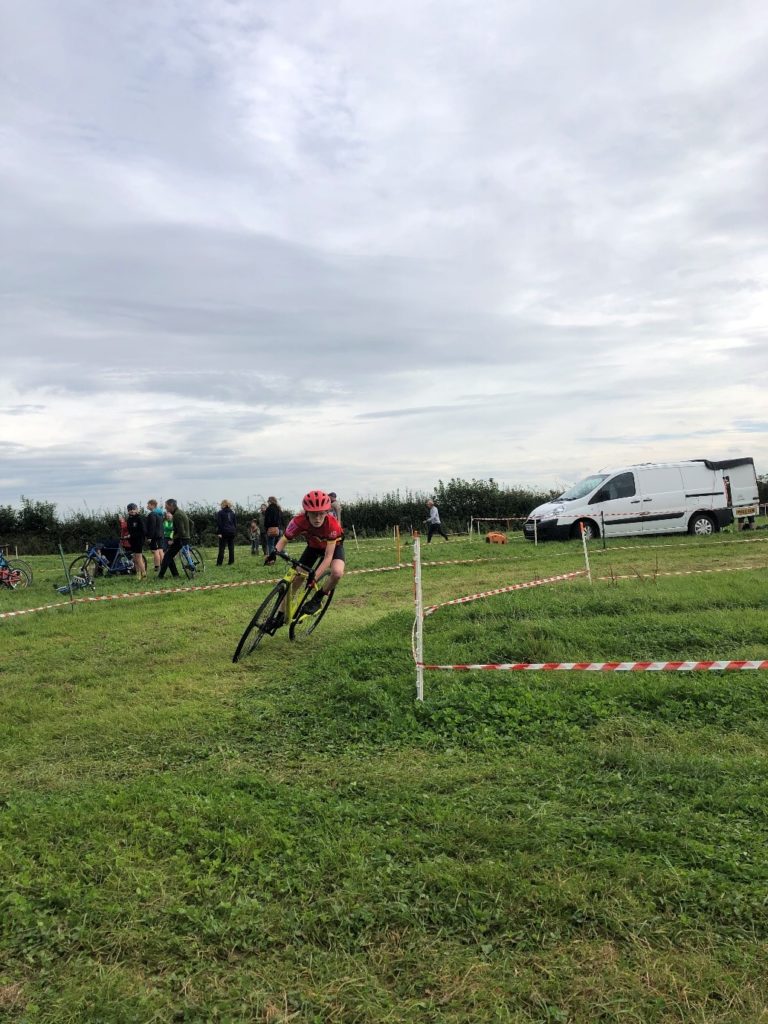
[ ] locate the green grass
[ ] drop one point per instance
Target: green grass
(294, 838)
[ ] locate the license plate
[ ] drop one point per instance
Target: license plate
(748, 510)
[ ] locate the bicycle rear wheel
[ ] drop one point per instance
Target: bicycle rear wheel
(261, 624)
(19, 563)
(17, 578)
(303, 625)
(192, 563)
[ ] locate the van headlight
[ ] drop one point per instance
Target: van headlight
(553, 513)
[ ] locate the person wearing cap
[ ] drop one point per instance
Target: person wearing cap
(136, 533)
(335, 506)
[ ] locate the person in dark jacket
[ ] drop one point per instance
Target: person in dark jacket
(135, 526)
(226, 527)
(181, 536)
(273, 522)
(153, 531)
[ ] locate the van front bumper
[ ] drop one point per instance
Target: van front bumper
(546, 529)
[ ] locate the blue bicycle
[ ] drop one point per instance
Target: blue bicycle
(94, 563)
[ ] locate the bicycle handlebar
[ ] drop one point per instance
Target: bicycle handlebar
(297, 564)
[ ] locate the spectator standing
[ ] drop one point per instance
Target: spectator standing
(433, 522)
(153, 531)
(273, 521)
(262, 529)
(335, 506)
(254, 534)
(181, 536)
(135, 527)
(167, 530)
(226, 528)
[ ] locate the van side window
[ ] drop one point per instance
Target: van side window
(621, 486)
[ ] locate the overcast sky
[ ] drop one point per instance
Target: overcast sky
(254, 248)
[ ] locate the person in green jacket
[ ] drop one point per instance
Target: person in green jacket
(181, 536)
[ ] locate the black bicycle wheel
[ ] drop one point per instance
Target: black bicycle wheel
(262, 623)
(197, 559)
(302, 625)
(19, 563)
(85, 566)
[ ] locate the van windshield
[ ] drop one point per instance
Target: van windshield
(583, 487)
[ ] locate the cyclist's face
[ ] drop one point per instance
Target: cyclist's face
(317, 518)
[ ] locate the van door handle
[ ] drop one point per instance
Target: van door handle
(635, 501)
(647, 499)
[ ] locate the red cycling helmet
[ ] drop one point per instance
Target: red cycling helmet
(316, 501)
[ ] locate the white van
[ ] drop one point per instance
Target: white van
(699, 497)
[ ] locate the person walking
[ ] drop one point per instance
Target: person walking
(273, 521)
(181, 536)
(153, 531)
(433, 522)
(135, 527)
(335, 506)
(226, 528)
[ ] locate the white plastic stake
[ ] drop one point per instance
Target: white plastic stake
(535, 533)
(586, 553)
(419, 602)
(354, 534)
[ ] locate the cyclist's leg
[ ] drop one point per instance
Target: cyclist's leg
(337, 568)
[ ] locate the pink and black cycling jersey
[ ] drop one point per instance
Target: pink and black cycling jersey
(316, 536)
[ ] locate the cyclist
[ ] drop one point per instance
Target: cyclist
(325, 543)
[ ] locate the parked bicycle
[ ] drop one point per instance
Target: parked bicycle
(94, 563)
(191, 561)
(12, 575)
(17, 563)
(284, 605)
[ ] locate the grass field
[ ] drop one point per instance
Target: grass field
(294, 838)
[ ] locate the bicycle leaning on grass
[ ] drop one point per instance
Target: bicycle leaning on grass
(285, 605)
(14, 575)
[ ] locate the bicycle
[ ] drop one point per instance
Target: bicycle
(93, 563)
(17, 563)
(12, 576)
(191, 561)
(268, 620)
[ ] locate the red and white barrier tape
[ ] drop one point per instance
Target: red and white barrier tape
(211, 586)
(604, 666)
(502, 590)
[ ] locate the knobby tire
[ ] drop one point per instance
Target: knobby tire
(254, 632)
(302, 627)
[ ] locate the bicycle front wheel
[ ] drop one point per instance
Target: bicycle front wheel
(197, 559)
(304, 625)
(262, 623)
(84, 566)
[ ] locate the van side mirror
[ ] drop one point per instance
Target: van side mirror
(601, 496)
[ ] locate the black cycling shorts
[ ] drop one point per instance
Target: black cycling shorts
(310, 557)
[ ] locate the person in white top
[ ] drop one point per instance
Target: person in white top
(433, 522)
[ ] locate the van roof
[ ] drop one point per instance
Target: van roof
(725, 464)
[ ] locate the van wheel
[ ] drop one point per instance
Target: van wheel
(591, 531)
(702, 525)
